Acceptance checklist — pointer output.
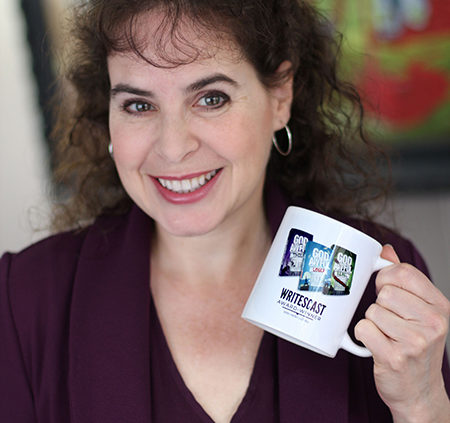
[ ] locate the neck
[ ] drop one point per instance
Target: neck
(237, 247)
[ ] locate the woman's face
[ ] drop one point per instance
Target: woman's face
(191, 143)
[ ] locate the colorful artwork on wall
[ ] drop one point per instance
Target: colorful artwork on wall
(401, 50)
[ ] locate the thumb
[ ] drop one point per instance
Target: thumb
(389, 253)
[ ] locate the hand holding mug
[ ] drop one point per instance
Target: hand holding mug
(406, 331)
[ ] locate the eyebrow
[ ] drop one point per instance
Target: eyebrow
(217, 77)
(195, 86)
(125, 88)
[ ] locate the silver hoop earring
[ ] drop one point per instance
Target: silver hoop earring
(289, 137)
(110, 149)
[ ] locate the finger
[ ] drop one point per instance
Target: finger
(413, 339)
(389, 253)
(407, 277)
(392, 325)
(403, 303)
(373, 338)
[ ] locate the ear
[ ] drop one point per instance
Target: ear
(282, 95)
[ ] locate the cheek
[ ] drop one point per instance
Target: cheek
(250, 128)
(252, 137)
(130, 149)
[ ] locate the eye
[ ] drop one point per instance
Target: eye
(213, 100)
(135, 107)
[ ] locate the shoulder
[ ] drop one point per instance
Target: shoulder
(36, 283)
(42, 274)
(55, 257)
(36, 288)
(35, 291)
(44, 259)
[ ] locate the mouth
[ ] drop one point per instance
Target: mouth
(187, 185)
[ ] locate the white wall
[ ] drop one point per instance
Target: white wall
(425, 220)
(22, 161)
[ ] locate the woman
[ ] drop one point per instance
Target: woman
(136, 317)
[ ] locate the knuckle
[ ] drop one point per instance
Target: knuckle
(405, 271)
(397, 361)
(371, 312)
(385, 294)
(364, 330)
(446, 307)
(361, 326)
(401, 272)
(418, 345)
(359, 329)
(438, 325)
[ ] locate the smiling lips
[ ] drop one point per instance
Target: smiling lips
(183, 186)
(186, 190)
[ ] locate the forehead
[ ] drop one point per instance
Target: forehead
(162, 41)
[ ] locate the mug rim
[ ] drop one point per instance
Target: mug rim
(345, 225)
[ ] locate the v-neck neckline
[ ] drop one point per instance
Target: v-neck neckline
(160, 344)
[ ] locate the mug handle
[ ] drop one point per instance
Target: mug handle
(381, 263)
(347, 344)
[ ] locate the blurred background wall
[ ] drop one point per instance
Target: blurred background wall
(420, 209)
(23, 161)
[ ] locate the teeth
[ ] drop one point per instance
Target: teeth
(195, 183)
(187, 185)
(176, 185)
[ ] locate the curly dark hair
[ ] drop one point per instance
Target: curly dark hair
(333, 164)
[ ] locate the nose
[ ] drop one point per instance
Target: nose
(175, 140)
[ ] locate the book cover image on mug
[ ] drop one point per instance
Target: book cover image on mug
(292, 262)
(320, 268)
(327, 270)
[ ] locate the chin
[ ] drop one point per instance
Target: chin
(184, 232)
(188, 226)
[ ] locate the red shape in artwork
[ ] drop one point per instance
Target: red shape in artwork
(405, 100)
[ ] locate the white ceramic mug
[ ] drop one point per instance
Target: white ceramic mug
(312, 280)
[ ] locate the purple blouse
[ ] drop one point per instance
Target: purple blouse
(80, 341)
(173, 402)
